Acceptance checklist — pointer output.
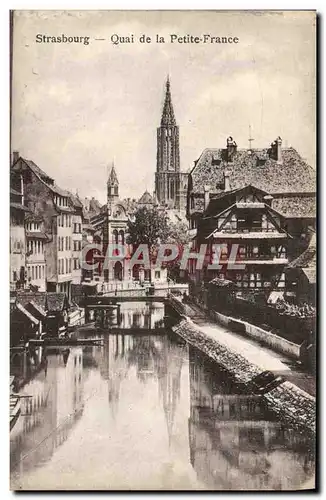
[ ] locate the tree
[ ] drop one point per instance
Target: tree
(151, 226)
(148, 226)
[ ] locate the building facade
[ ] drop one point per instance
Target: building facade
(170, 183)
(17, 235)
(49, 233)
(277, 170)
(246, 241)
(111, 226)
(36, 240)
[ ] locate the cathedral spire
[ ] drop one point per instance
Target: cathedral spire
(168, 113)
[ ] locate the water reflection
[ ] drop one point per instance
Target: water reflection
(147, 412)
(53, 406)
(235, 441)
(134, 315)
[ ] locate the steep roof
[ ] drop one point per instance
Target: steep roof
(308, 258)
(113, 178)
(168, 117)
(256, 167)
(94, 205)
(295, 206)
(146, 198)
(38, 171)
(75, 200)
(38, 298)
(56, 301)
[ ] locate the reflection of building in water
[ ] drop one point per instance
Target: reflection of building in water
(134, 316)
(169, 365)
(47, 417)
(113, 365)
(235, 442)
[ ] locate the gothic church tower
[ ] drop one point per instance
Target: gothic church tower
(168, 179)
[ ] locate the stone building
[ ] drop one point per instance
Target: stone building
(77, 237)
(36, 240)
(111, 226)
(46, 200)
(170, 183)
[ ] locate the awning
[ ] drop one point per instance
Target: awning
(27, 314)
(39, 309)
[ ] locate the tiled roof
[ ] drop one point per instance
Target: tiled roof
(76, 201)
(33, 218)
(19, 206)
(37, 170)
(37, 235)
(38, 298)
(61, 192)
(308, 258)
(146, 198)
(94, 205)
(295, 206)
(64, 209)
(310, 273)
(292, 175)
(56, 301)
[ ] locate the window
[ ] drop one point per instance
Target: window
(157, 274)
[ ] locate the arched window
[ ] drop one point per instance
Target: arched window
(121, 237)
(115, 236)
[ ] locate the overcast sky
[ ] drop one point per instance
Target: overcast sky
(77, 107)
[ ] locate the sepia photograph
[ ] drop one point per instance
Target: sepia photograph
(163, 250)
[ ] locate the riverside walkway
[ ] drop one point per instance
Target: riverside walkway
(262, 356)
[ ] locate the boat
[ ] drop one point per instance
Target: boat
(15, 409)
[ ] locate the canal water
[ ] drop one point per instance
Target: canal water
(144, 410)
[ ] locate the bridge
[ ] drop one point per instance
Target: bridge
(103, 301)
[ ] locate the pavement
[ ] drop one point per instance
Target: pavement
(254, 352)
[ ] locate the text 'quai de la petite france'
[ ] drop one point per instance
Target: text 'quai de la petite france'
(173, 38)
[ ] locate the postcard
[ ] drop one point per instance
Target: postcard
(163, 250)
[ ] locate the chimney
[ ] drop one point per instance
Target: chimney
(276, 150)
(226, 181)
(231, 147)
(206, 196)
(15, 156)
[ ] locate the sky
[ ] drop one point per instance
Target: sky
(76, 108)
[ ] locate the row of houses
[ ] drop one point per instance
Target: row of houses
(48, 227)
(256, 207)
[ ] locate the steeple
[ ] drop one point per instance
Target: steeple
(113, 178)
(112, 184)
(168, 113)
